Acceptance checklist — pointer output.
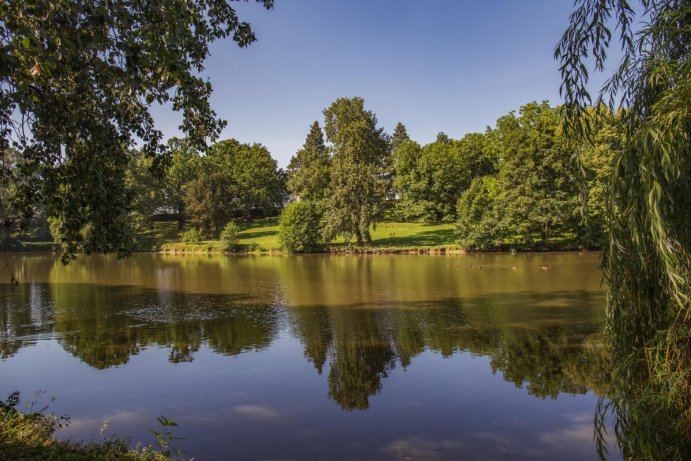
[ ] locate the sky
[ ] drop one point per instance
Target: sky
(435, 65)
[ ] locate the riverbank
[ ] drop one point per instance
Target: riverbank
(260, 236)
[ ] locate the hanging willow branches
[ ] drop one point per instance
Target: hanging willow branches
(647, 260)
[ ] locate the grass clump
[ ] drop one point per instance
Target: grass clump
(229, 236)
(29, 435)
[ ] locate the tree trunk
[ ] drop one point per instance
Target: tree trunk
(545, 232)
(367, 237)
(358, 236)
(181, 217)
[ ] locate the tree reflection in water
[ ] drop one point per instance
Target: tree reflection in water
(547, 343)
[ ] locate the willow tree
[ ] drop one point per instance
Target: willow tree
(647, 258)
(77, 79)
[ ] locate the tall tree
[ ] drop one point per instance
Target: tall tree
(357, 185)
(308, 171)
(77, 80)
(206, 201)
(399, 136)
(538, 175)
(647, 262)
(182, 168)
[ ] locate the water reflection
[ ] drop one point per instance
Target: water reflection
(357, 319)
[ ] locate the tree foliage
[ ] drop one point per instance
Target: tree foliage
(234, 180)
(538, 175)
(300, 228)
(77, 80)
(398, 137)
(648, 255)
(308, 171)
(358, 187)
(430, 180)
(257, 186)
(181, 169)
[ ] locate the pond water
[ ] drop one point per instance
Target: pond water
(315, 357)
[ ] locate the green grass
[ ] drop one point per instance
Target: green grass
(261, 235)
(28, 436)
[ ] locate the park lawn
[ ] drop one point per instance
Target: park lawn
(261, 235)
(264, 235)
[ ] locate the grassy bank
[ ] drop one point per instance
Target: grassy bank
(28, 436)
(261, 236)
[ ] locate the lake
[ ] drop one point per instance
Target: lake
(315, 357)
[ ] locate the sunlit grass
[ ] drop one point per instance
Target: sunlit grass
(261, 235)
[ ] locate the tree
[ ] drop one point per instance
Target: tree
(299, 228)
(77, 80)
(538, 175)
(182, 168)
(206, 201)
(308, 171)
(399, 136)
(146, 189)
(479, 223)
(647, 259)
(406, 180)
(257, 187)
(595, 159)
(431, 179)
(357, 186)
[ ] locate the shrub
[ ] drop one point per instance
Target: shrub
(229, 236)
(299, 228)
(193, 235)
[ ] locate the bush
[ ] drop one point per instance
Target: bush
(193, 235)
(229, 236)
(299, 228)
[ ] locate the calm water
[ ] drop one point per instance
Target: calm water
(316, 357)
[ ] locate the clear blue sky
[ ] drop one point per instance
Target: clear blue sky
(440, 65)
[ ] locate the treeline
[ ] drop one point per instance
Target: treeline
(519, 184)
(231, 180)
(201, 190)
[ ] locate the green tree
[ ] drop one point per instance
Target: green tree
(77, 80)
(257, 187)
(479, 223)
(430, 180)
(206, 201)
(19, 217)
(181, 169)
(399, 136)
(146, 189)
(538, 174)
(308, 171)
(230, 236)
(406, 180)
(357, 185)
(299, 228)
(595, 158)
(647, 258)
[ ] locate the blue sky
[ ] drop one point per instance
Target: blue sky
(436, 65)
